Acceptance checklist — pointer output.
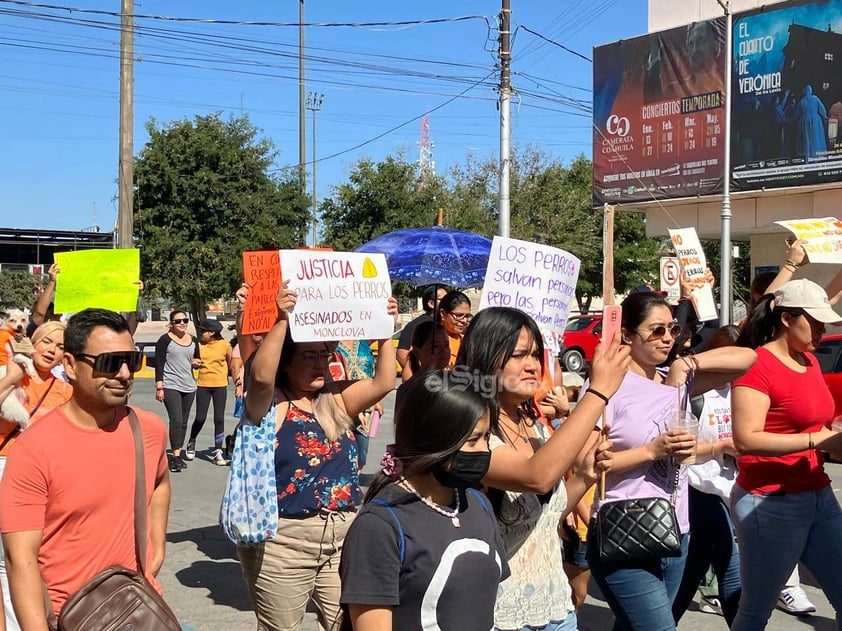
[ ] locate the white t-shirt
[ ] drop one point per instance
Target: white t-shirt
(717, 475)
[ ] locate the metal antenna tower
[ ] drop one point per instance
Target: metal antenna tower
(426, 164)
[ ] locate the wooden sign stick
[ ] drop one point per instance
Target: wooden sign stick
(607, 297)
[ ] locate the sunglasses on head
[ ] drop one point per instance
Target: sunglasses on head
(657, 332)
(181, 321)
(111, 363)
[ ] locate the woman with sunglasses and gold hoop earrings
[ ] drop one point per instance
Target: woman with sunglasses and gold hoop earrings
(646, 452)
(176, 355)
(455, 316)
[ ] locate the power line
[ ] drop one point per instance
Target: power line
(536, 34)
(396, 127)
(166, 18)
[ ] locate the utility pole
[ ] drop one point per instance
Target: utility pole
(314, 104)
(725, 314)
(505, 121)
(125, 175)
(302, 158)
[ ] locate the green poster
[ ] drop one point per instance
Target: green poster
(97, 278)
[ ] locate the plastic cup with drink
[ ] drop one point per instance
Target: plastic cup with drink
(688, 424)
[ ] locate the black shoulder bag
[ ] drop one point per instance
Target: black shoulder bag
(637, 529)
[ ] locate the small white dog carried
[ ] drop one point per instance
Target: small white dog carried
(15, 347)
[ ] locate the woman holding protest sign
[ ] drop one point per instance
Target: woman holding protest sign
(316, 469)
(503, 352)
(651, 434)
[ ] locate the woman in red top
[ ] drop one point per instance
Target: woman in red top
(783, 507)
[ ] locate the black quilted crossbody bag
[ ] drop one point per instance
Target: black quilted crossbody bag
(637, 529)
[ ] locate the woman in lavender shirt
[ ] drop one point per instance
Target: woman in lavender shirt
(641, 593)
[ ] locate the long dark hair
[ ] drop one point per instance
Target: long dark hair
(636, 308)
(490, 341)
(439, 414)
(422, 335)
(764, 323)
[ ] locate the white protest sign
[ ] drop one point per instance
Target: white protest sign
(341, 295)
(670, 273)
(540, 280)
(822, 238)
(693, 264)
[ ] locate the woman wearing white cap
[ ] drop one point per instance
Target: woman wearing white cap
(782, 504)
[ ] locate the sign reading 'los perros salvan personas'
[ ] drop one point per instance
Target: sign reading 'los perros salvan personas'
(659, 114)
(787, 100)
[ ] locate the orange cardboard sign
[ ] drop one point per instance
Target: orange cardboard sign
(262, 273)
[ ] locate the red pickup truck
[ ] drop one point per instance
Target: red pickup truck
(579, 342)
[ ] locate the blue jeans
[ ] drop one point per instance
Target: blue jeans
(711, 543)
(640, 594)
(570, 623)
(774, 532)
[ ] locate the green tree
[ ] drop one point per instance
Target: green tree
(18, 289)
(551, 204)
(204, 195)
(379, 197)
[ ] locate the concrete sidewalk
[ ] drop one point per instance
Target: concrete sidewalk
(201, 574)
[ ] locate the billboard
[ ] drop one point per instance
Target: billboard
(659, 125)
(787, 95)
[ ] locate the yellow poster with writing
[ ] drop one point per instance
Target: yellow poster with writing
(97, 278)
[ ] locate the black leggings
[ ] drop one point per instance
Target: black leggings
(178, 406)
(219, 394)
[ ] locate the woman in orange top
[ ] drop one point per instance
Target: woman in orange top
(216, 356)
(44, 392)
(454, 316)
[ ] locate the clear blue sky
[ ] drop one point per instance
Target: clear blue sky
(60, 84)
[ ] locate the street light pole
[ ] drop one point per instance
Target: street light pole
(314, 104)
(125, 174)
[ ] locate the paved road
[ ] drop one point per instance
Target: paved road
(201, 574)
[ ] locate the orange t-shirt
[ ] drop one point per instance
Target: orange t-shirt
(455, 343)
(214, 370)
(77, 486)
(59, 393)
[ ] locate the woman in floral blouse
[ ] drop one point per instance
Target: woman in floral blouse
(316, 469)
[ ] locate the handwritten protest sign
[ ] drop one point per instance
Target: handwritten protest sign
(822, 238)
(262, 273)
(688, 248)
(540, 280)
(341, 295)
(97, 278)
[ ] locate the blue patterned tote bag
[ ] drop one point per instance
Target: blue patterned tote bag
(249, 511)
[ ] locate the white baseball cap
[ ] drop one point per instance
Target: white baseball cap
(807, 295)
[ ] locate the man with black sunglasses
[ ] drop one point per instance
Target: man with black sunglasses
(67, 493)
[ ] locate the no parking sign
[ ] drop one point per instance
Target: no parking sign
(669, 277)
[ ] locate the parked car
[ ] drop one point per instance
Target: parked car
(829, 354)
(581, 336)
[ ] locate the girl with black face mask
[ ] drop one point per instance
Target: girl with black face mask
(504, 348)
(425, 542)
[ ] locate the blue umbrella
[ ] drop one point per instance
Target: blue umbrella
(433, 255)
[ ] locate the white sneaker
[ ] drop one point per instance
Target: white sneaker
(218, 458)
(190, 452)
(710, 604)
(793, 600)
